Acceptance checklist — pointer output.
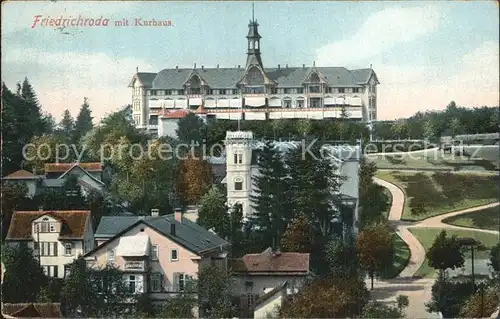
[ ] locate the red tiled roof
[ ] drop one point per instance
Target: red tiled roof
(20, 174)
(177, 114)
(63, 167)
(268, 262)
(32, 310)
(74, 222)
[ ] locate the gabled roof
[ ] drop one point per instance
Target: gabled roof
(73, 221)
(187, 234)
(21, 174)
(79, 166)
(272, 263)
(145, 78)
(63, 167)
(32, 310)
(176, 114)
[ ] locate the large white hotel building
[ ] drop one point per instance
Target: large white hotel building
(254, 92)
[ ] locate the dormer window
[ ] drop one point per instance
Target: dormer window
(45, 226)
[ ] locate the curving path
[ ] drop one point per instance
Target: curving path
(417, 290)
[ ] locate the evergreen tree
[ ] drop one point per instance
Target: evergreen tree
(83, 123)
(213, 211)
(24, 278)
(67, 124)
(271, 211)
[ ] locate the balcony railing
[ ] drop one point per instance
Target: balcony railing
(135, 265)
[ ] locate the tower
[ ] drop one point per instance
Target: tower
(238, 169)
(253, 38)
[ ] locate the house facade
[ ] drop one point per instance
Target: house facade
(89, 177)
(57, 238)
(258, 274)
(158, 254)
(241, 167)
(254, 91)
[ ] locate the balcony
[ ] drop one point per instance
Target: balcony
(135, 265)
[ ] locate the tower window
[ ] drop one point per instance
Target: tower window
(238, 158)
(256, 44)
(238, 184)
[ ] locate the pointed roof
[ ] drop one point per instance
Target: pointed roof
(271, 263)
(64, 167)
(201, 110)
(176, 114)
(21, 174)
(146, 79)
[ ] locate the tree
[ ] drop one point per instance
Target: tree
(478, 306)
(304, 127)
(52, 292)
(83, 123)
(372, 198)
(213, 211)
(495, 257)
(376, 309)
(445, 253)
(429, 130)
(214, 288)
(323, 298)
(191, 129)
(235, 232)
(399, 128)
(297, 237)
(13, 196)
(44, 150)
(95, 292)
(195, 179)
(374, 247)
(455, 126)
(180, 306)
(344, 115)
(270, 203)
(67, 124)
(21, 270)
(342, 260)
(449, 296)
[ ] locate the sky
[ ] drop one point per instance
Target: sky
(425, 54)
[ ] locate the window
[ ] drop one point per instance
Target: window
(211, 92)
(250, 299)
(355, 90)
(287, 103)
(180, 92)
(314, 89)
(137, 119)
(137, 106)
(180, 281)
(195, 90)
(222, 92)
(154, 252)
(238, 184)
(238, 158)
(274, 91)
(300, 103)
(131, 284)
(341, 90)
(54, 271)
(48, 249)
(111, 255)
(52, 227)
(153, 92)
(168, 92)
(329, 90)
(287, 91)
(67, 270)
(248, 285)
(315, 102)
(174, 255)
(156, 282)
(300, 90)
(50, 271)
(235, 91)
(67, 249)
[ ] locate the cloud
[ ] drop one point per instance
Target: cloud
(473, 82)
(62, 80)
(381, 32)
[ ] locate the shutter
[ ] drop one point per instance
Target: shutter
(175, 283)
(56, 271)
(41, 248)
(55, 249)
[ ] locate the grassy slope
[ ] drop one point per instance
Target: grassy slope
(444, 192)
(401, 258)
(488, 218)
(426, 237)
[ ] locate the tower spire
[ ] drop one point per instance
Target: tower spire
(253, 11)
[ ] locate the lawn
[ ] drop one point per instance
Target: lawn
(488, 218)
(475, 159)
(426, 237)
(401, 258)
(430, 194)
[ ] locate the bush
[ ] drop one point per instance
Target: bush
(449, 297)
(472, 307)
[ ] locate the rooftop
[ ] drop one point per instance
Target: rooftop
(269, 262)
(63, 167)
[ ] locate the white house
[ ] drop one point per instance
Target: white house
(56, 237)
(241, 167)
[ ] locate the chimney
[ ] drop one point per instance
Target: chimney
(178, 215)
(40, 208)
(136, 69)
(217, 66)
(172, 229)
(286, 66)
(279, 66)
(202, 68)
(239, 66)
(314, 63)
(155, 212)
(176, 67)
(195, 65)
(303, 66)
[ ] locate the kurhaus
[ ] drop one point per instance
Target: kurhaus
(254, 92)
